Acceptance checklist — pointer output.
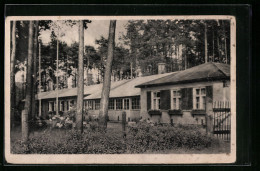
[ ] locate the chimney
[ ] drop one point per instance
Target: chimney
(161, 68)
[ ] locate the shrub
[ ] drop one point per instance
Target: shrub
(93, 126)
(38, 123)
(142, 138)
(164, 137)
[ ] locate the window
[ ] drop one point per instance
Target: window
(84, 105)
(111, 104)
(51, 106)
(62, 107)
(126, 104)
(90, 105)
(68, 106)
(71, 104)
(119, 104)
(199, 101)
(135, 103)
(97, 104)
(176, 100)
(156, 100)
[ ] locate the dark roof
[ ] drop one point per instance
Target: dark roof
(205, 72)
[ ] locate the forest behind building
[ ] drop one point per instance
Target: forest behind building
(180, 44)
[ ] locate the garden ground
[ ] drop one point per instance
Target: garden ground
(143, 139)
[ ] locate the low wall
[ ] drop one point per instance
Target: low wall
(185, 118)
(115, 115)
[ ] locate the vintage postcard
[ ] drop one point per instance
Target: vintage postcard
(120, 89)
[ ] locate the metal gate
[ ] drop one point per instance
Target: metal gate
(222, 120)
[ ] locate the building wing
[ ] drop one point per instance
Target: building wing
(205, 72)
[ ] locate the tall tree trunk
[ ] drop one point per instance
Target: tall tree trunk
(40, 80)
(57, 77)
(45, 80)
(103, 112)
(12, 79)
(131, 69)
(80, 87)
(27, 111)
(34, 81)
(226, 50)
(136, 63)
(23, 85)
(131, 63)
(225, 42)
(213, 46)
(206, 43)
(177, 52)
(219, 53)
(185, 56)
(67, 67)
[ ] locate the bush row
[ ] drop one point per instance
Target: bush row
(140, 139)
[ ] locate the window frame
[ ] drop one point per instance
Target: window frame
(70, 102)
(124, 106)
(52, 104)
(96, 103)
(135, 103)
(90, 104)
(62, 106)
(111, 102)
(117, 103)
(202, 104)
(178, 99)
(84, 104)
(157, 100)
(68, 105)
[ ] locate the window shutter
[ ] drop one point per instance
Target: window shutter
(190, 98)
(209, 94)
(186, 96)
(148, 100)
(165, 99)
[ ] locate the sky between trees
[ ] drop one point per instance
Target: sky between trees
(95, 30)
(140, 45)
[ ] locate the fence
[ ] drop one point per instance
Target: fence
(222, 120)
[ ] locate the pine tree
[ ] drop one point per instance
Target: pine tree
(28, 105)
(80, 87)
(12, 72)
(34, 81)
(103, 112)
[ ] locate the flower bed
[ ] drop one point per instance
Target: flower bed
(174, 112)
(198, 112)
(154, 112)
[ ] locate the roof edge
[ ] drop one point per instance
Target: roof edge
(220, 69)
(185, 81)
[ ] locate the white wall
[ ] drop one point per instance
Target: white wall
(219, 94)
(114, 114)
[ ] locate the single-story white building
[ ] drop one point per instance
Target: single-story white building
(179, 97)
(123, 97)
(186, 97)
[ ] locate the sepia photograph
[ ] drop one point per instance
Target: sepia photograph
(120, 89)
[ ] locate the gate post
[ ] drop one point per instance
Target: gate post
(124, 123)
(209, 125)
(25, 125)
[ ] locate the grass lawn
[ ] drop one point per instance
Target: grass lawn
(115, 130)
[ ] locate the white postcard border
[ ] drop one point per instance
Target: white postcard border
(120, 158)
